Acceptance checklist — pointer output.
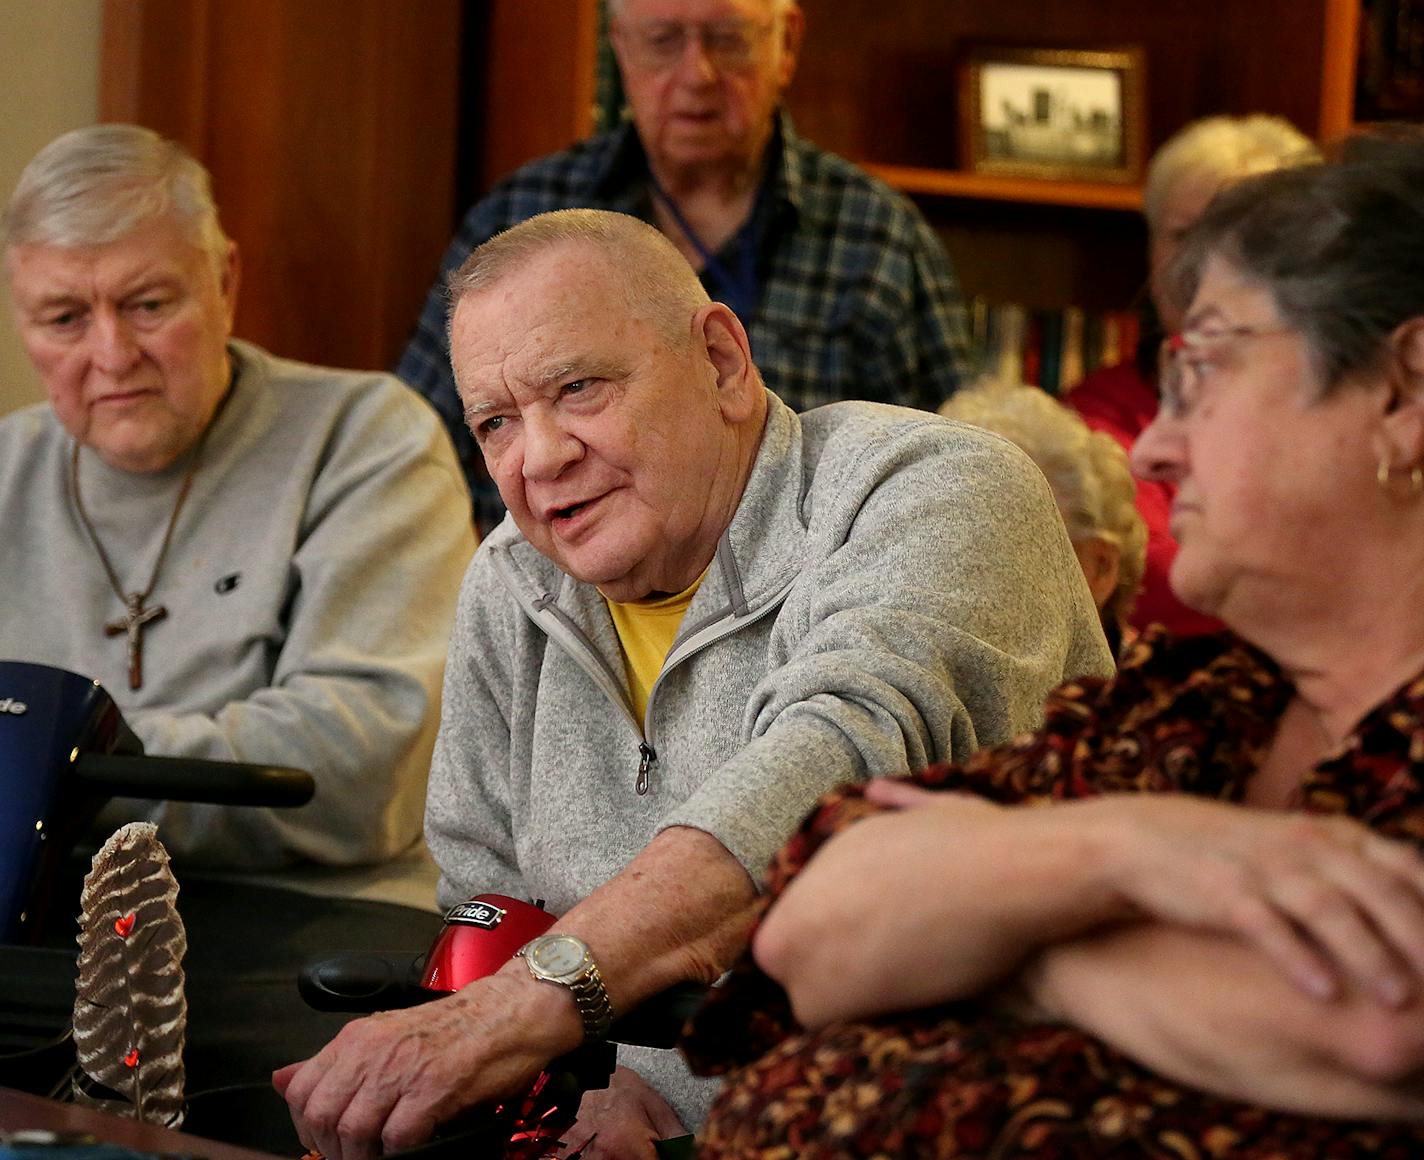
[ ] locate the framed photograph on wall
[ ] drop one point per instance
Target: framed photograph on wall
(1053, 113)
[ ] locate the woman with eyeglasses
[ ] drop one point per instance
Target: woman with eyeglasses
(1206, 939)
(1189, 169)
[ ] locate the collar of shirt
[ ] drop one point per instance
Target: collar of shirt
(623, 181)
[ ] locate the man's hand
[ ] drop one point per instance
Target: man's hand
(387, 1081)
(679, 910)
(624, 1120)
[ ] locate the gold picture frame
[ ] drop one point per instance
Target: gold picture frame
(1054, 113)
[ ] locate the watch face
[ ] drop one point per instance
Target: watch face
(558, 954)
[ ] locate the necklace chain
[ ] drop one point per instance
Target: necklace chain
(136, 616)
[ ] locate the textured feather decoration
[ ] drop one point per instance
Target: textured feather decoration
(130, 1013)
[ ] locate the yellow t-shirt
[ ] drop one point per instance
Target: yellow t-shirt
(646, 630)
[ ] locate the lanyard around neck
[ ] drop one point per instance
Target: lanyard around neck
(740, 288)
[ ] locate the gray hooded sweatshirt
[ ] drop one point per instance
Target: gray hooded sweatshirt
(895, 589)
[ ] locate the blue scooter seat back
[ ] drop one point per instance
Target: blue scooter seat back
(49, 717)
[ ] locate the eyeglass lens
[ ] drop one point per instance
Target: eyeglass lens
(730, 45)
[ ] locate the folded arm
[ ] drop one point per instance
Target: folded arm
(1211, 1012)
(971, 891)
(975, 889)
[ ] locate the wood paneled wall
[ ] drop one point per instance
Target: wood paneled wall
(538, 80)
(331, 130)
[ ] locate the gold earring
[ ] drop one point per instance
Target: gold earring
(1416, 477)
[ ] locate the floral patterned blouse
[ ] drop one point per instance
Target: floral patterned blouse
(1190, 716)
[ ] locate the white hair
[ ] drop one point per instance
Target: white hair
(95, 185)
(657, 281)
(1224, 149)
(1087, 470)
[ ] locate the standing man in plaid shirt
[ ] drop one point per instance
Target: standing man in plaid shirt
(846, 290)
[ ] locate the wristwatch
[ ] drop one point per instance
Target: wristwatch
(565, 960)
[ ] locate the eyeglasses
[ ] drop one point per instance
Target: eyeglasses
(1186, 360)
(731, 45)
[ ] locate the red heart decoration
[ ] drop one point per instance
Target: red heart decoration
(123, 927)
(131, 1059)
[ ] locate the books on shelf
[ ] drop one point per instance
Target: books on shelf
(1052, 349)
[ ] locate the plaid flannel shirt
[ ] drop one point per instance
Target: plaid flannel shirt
(857, 298)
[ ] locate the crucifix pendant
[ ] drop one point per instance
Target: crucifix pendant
(133, 622)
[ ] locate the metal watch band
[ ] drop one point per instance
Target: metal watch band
(592, 1001)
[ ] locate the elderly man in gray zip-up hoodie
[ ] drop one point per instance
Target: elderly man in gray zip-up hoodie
(871, 590)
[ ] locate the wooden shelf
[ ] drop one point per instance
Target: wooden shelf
(990, 187)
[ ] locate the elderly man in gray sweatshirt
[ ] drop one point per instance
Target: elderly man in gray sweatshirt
(227, 540)
(702, 612)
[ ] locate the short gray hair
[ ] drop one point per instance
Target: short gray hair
(1339, 247)
(96, 185)
(658, 284)
(1225, 149)
(1087, 470)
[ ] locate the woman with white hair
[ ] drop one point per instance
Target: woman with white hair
(1091, 481)
(1183, 176)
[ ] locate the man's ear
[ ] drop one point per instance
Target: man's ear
(1101, 562)
(739, 387)
(618, 44)
(793, 26)
(229, 278)
(1402, 426)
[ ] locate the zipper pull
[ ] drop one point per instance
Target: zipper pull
(647, 759)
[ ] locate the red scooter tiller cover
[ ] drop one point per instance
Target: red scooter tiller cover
(479, 937)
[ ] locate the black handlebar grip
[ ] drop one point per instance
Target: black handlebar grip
(364, 983)
(187, 779)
